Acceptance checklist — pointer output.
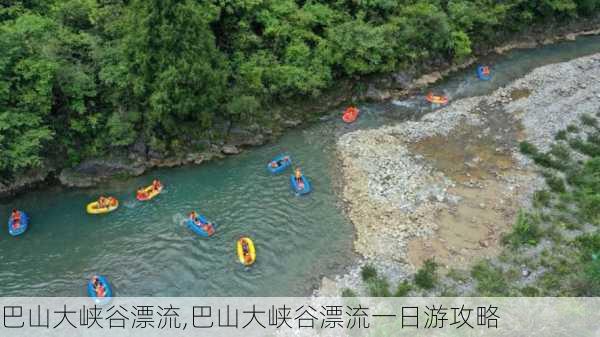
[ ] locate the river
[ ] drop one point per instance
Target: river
(145, 249)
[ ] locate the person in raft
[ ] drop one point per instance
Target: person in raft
(98, 287)
(156, 185)
(246, 251)
(16, 218)
(299, 180)
(208, 227)
(103, 202)
(276, 164)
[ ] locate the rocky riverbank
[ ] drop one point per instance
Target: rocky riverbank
(447, 186)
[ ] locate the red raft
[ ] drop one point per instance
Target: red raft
(435, 99)
(350, 115)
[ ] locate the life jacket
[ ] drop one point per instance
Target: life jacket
(209, 229)
(100, 291)
(485, 70)
(16, 217)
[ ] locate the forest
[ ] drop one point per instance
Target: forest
(82, 78)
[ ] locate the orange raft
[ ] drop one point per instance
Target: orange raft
(435, 99)
(350, 115)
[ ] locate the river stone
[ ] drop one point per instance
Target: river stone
(230, 149)
(291, 123)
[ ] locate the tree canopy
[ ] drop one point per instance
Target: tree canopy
(83, 77)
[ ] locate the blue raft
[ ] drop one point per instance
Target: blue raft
(199, 229)
(22, 225)
(296, 188)
(92, 293)
(283, 162)
(482, 75)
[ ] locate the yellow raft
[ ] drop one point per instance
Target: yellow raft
(250, 257)
(92, 207)
(150, 193)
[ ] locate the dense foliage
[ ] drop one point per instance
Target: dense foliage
(82, 77)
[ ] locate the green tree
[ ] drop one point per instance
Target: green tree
(174, 72)
(28, 73)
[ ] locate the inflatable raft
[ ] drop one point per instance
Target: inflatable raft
(108, 294)
(19, 228)
(302, 188)
(350, 115)
(201, 226)
(93, 208)
(435, 99)
(483, 73)
(150, 193)
(279, 164)
(250, 256)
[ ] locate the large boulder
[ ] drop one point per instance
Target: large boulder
(28, 179)
(249, 136)
(230, 149)
(93, 171)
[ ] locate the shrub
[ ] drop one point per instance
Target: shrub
(591, 279)
(527, 148)
(403, 289)
(379, 287)
(368, 273)
(530, 292)
(561, 152)
(348, 293)
(541, 198)
(555, 183)
(587, 148)
(594, 138)
(572, 128)
(561, 135)
(490, 280)
(525, 231)
(588, 120)
(426, 277)
(545, 160)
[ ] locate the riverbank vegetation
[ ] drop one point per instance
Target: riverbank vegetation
(553, 248)
(82, 78)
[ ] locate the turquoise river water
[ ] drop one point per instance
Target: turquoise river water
(145, 249)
